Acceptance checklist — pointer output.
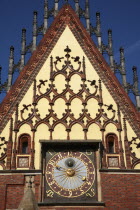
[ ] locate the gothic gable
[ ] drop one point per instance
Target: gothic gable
(67, 17)
(66, 92)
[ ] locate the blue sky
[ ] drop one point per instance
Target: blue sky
(122, 16)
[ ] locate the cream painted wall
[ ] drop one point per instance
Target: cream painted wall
(137, 166)
(94, 132)
(59, 133)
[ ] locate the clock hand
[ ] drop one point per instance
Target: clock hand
(59, 168)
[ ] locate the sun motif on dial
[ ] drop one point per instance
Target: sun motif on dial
(70, 174)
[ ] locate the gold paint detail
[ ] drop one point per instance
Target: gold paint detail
(70, 193)
(52, 162)
(88, 152)
(51, 151)
(50, 193)
(70, 172)
(91, 193)
(84, 178)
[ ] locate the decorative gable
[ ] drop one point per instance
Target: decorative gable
(67, 92)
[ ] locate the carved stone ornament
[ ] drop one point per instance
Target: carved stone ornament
(3, 148)
(134, 147)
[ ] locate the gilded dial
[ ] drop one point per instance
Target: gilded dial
(70, 174)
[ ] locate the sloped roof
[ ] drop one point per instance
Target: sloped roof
(68, 17)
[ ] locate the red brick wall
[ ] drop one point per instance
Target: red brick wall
(37, 182)
(119, 191)
(11, 191)
(2, 196)
(14, 195)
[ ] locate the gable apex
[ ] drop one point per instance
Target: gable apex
(68, 17)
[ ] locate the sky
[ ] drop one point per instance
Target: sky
(122, 16)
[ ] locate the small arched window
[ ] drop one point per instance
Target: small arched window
(111, 143)
(111, 146)
(25, 147)
(24, 144)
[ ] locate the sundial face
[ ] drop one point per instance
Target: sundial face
(70, 174)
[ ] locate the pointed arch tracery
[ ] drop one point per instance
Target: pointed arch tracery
(71, 66)
(42, 122)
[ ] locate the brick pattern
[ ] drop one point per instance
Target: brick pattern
(10, 187)
(14, 195)
(2, 196)
(37, 181)
(9, 155)
(119, 191)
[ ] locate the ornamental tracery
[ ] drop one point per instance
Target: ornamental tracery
(135, 150)
(68, 67)
(3, 150)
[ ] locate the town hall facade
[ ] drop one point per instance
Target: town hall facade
(69, 133)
